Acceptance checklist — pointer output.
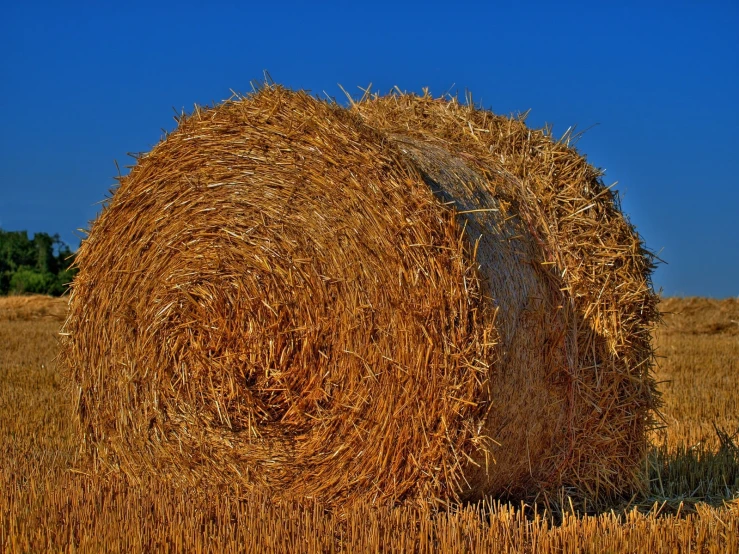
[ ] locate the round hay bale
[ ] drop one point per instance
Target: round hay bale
(408, 298)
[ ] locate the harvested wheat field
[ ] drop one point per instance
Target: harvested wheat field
(51, 502)
(407, 300)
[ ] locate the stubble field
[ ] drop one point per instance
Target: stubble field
(51, 501)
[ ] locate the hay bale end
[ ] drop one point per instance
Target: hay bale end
(407, 298)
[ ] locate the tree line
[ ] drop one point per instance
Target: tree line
(40, 265)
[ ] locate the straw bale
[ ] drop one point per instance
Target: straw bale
(32, 307)
(404, 299)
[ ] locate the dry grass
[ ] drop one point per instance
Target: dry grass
(697, 449)
(699, 347)
(45, 505)
(31, 308)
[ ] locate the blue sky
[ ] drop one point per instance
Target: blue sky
(83, 85)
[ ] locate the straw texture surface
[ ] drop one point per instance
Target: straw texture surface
(403, 299)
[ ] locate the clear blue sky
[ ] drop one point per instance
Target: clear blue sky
(82, 85)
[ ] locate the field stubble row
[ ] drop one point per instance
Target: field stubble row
(48, 503)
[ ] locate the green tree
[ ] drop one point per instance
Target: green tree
(39, 265)
(31, 281)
